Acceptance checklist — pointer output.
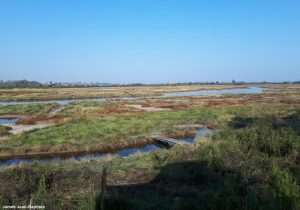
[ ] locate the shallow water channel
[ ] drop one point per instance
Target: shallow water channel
(7, 120)
(249, 90)
(121, 153)
(215, 92)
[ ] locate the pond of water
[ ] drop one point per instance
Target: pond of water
(215, 92)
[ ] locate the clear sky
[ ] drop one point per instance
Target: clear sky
(150, 40)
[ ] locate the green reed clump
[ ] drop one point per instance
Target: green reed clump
(262, 136)
(4, 130)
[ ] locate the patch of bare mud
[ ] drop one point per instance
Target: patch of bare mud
(17, 128)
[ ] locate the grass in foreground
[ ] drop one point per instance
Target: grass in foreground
(249, 168)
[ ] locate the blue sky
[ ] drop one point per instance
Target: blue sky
(149, 41)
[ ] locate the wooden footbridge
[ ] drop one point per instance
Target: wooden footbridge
(167, 141)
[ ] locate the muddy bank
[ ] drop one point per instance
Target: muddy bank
(15, 129)
(147, 109)
(21, 123)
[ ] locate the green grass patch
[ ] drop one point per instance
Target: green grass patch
(32, 109)
(94, 131)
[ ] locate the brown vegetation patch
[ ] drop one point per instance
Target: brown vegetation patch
(115, 110)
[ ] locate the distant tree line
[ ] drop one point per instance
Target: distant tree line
(33, 84)
(19, 83)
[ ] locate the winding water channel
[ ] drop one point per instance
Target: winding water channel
(121, 153)
(249, 90)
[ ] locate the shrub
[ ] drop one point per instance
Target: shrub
(263, 137)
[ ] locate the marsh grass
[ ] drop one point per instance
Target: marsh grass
(89, 131)
(30, 109)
